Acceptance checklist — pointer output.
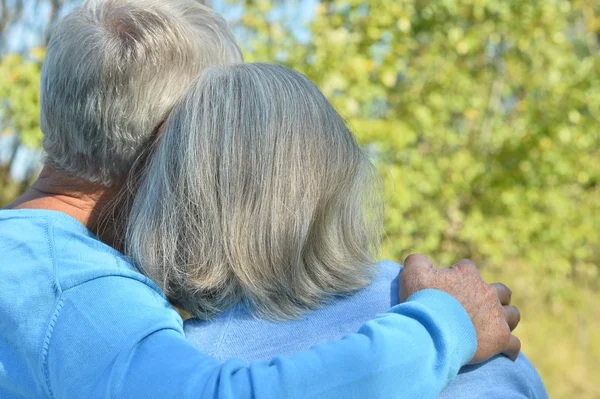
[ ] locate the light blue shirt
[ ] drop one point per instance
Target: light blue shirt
(238, 334)
(77, 320)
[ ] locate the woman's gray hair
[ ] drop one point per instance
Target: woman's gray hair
(113, 71)
(257, 193)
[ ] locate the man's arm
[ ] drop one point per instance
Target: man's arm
(116, 337)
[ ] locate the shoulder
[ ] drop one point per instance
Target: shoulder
(497, 378)
(389, 268)
(386, 280)
(59, 260)
(81, 258)
(76, 254)
(386, 272)
(59, 285)
(24, 237)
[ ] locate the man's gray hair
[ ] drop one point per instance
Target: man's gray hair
(258, 193)
(113, 71)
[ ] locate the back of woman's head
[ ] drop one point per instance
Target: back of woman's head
(257, 193)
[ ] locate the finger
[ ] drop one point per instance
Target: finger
(513, 348)
(504, 293)
(416, 267)
(512, 316)
(415, 261)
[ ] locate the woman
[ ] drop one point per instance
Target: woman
(265, 221)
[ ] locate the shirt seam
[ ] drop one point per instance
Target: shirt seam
(57, 287)
(46, 346)
(116, 274)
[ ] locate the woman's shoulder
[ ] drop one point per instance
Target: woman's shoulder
(498, 378)
(387, 269)
(385, 282)
(237, 333)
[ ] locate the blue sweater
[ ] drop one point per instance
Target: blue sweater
(238, 334)
(77, 320)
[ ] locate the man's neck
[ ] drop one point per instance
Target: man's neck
(87, 202)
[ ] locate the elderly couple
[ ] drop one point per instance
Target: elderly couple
(236, 191)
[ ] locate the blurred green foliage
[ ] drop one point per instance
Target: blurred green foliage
(20, 96)
(484, 119)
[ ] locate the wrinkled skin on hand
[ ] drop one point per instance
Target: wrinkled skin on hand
(488, 305)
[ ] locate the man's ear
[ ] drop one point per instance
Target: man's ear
(185, 315)
(182, 312)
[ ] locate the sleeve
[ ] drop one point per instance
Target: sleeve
(498, 378)
(116, 337)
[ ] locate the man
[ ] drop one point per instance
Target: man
(78, 319)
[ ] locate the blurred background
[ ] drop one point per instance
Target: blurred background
(482, 115)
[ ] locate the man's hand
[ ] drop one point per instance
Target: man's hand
(487, 305)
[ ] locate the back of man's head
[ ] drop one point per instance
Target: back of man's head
(113, 71)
